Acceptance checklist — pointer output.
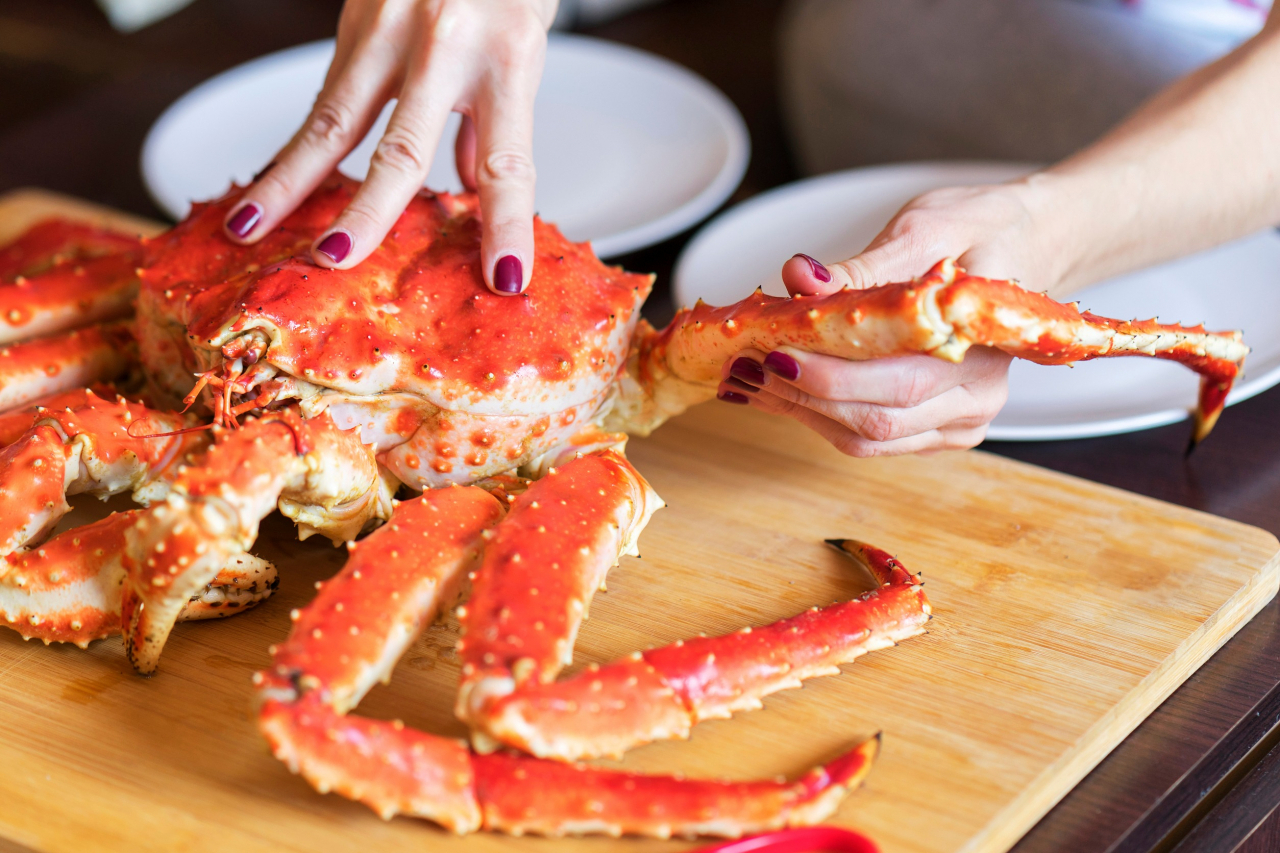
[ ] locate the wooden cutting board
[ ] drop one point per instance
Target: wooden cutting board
(1065, 612)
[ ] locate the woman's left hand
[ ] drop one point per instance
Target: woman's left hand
(914, 403)
(882, 407)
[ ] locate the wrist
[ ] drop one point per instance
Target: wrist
(1052, 233)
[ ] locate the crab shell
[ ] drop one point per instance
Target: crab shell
(449, 381)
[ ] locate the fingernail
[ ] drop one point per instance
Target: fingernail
(508, 274)
(781, 364)
(336, 246)
(748, 370)
(738, 383)
(820, 272)
(732, 397)
(245, 220)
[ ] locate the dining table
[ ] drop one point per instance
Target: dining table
(1200, 774)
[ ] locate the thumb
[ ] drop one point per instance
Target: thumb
(882, 262)
(807, 276)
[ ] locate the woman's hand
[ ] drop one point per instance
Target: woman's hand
(914, 403)
(481, 58)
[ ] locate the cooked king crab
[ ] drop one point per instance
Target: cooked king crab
(510, 413)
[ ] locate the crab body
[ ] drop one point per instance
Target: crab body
(450, 382)
(331, 390)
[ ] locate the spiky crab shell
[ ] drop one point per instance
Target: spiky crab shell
(414, 318)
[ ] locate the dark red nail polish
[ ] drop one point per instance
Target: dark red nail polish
(245, 220)
(336, 246)
(781, 364)
(508, 274)
(735, 382)
(732, 397)
(748, 371)
(820, 272)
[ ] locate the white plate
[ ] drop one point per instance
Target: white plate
(630, 148)
(1236, 286)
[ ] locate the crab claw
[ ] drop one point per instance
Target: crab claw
(323, 478)
(83, 448)
(68, 589)
(663, 693)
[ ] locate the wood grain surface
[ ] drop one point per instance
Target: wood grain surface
(1065, 612)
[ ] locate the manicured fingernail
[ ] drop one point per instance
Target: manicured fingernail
(820, 272)
(748, 371)
(245, 220)
(732, 397)
(738, 383)
(508, 274)
(336, 246)
(781, 364)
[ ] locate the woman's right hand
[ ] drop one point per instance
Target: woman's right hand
(912, 403)
(482, 58)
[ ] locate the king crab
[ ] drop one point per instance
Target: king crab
(509, 415)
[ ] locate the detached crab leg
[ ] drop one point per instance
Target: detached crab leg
(540, 571)
(662, 693)
(323, 478)
(68, 589)
(44, 366)
(941, 314)
(351, 636)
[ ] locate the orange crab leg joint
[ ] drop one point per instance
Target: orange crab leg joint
(662, 693)
(540, 571)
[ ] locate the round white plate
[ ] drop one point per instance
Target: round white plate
(630, 148)
(1236, 286)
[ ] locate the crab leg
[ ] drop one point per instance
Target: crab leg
(85, 449)
(44, 366)
(15, 422)
(540, 571)
(662, 693)
(352, 635)
(68, 589)
(941, 314)
(324, 479)
(67, 296)
(57, 241)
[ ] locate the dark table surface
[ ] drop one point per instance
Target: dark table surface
(1202, 773)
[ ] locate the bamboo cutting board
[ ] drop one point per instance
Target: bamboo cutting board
(1065, 612)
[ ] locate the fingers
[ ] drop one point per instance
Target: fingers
(398, 167)
(503, 165)
(889, 402)
(899, 382)
(342, 115)
(851, 443)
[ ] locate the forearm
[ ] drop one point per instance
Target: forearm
(1199, 164)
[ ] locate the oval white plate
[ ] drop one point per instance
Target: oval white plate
(1236, 286)
(630, 148)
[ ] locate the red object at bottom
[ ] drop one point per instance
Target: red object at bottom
(810, 839)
